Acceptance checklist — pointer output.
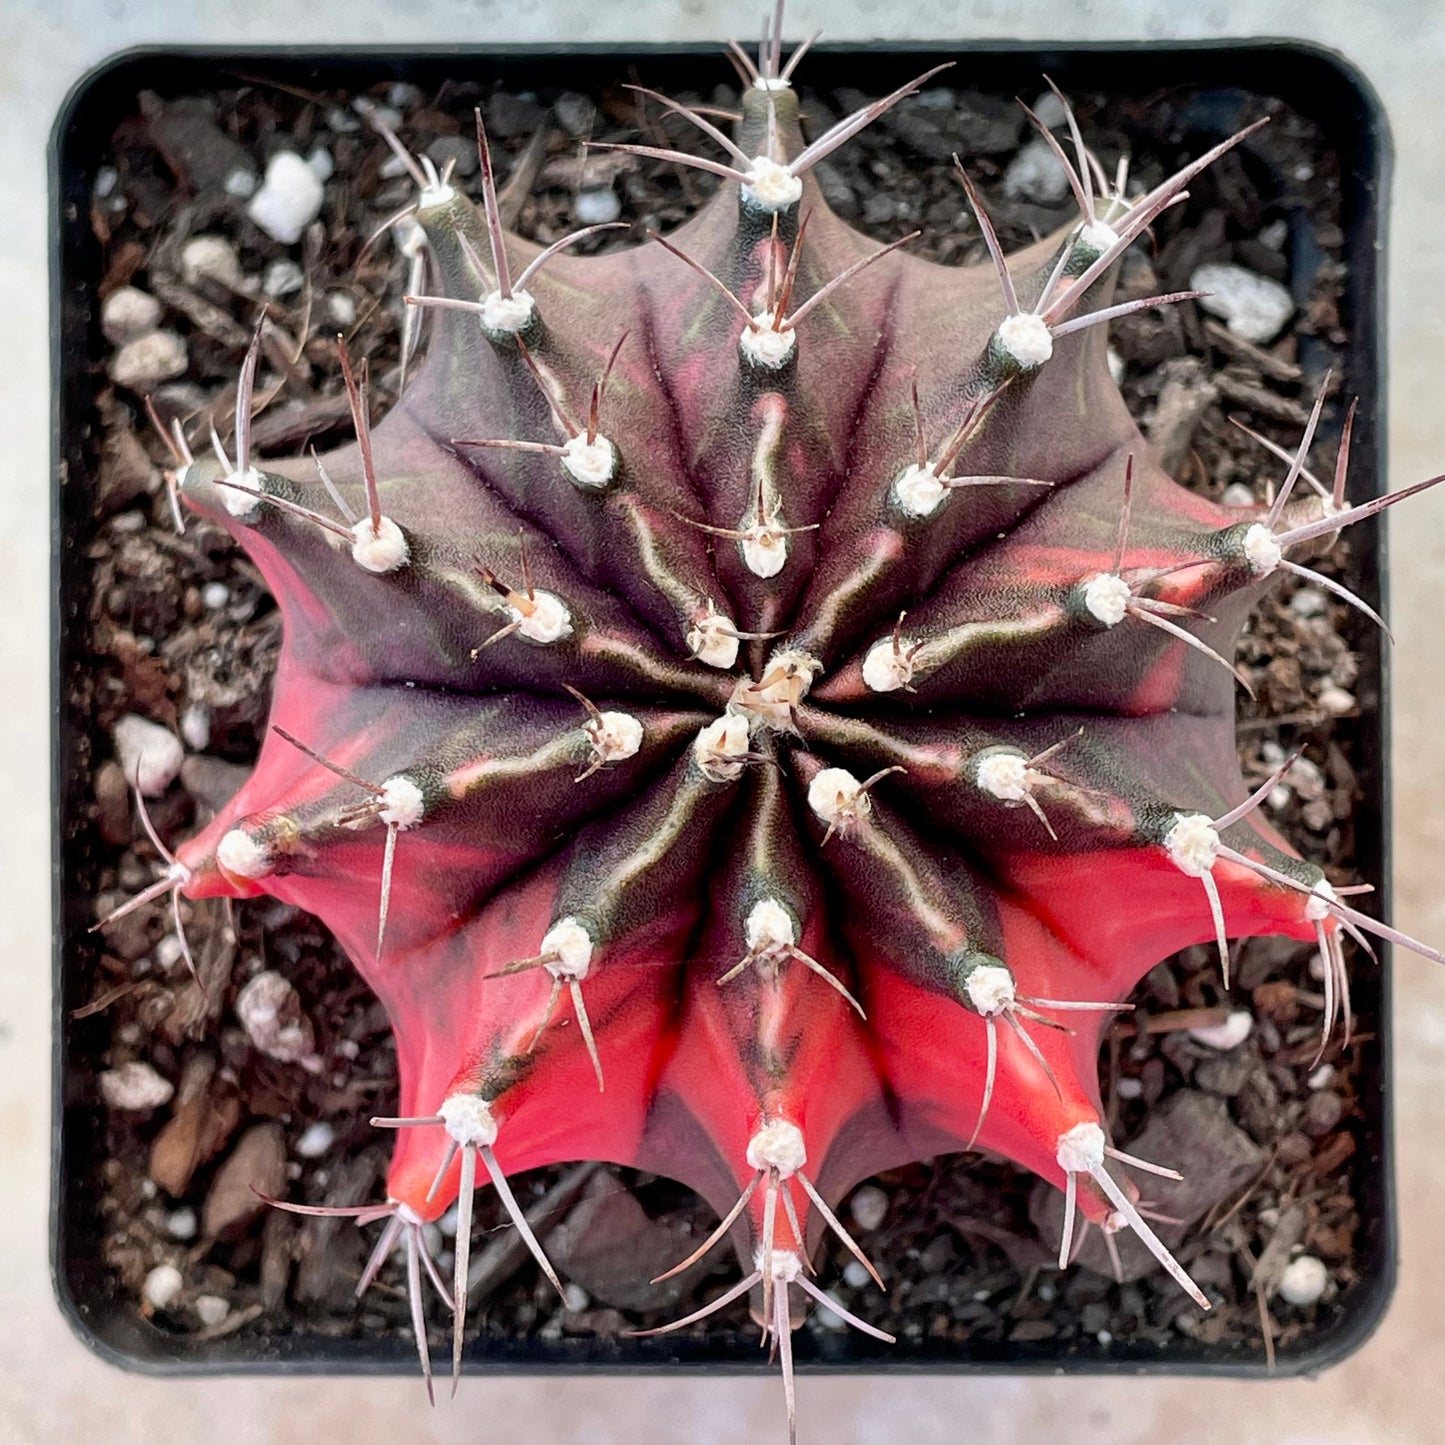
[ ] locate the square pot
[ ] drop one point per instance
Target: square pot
(1222, 81)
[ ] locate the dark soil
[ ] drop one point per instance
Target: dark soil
(181, 631)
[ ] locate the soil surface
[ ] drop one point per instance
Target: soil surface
(271, 1079)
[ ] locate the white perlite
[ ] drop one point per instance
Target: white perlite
(1253, 307)
(182, 1224)
(127, 313)
(597, 205)
(919, 491)
(591, 465)
(168, 953)
(380, 548)
(149, 755)
(769, 928)
(289, 198)
(162, 1285)
(1262, 550)
(1106, 597)
(1228, 1035)
(869, 1208)
(196, 727)
(507, 314)
(721, 748)
(247, 857)
(567, 949)
(211, 1309)
(766, 348)
(837, 797)
(240, 183)
(1192, 844)
(283, 278)
(1303, 1280)
(772, 187)
(990, 989)
(135, 1087)
(142, 364)
(778, 1145)
(1050, 110)
(1025, 337)
(468, 1119)
(548, 621)
(316, 1140)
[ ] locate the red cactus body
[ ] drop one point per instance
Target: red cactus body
(760, 755)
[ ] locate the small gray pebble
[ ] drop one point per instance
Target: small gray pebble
(162, 1285)
(142, 364)
(1035, 175)
(241, 184)
(341, 309)
(868, 1207)
(1304, 1280)
(283, 278)
(181, 1224)
(458, 150)
(1253, 307)
(575, 113)
(128, 312)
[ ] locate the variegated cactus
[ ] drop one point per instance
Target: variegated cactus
(754, 709)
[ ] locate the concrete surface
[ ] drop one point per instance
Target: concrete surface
(52, 1391)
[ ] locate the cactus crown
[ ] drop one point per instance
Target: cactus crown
(754, 708)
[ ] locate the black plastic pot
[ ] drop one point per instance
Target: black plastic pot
(1221, 80)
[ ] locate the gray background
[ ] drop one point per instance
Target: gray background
(51, 1390)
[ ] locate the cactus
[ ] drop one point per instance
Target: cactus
(753, 709)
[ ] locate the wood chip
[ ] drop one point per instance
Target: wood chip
(256, 1166)
(205, 316)
(204, 1116)
(1260, 400)
(1274, 367)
